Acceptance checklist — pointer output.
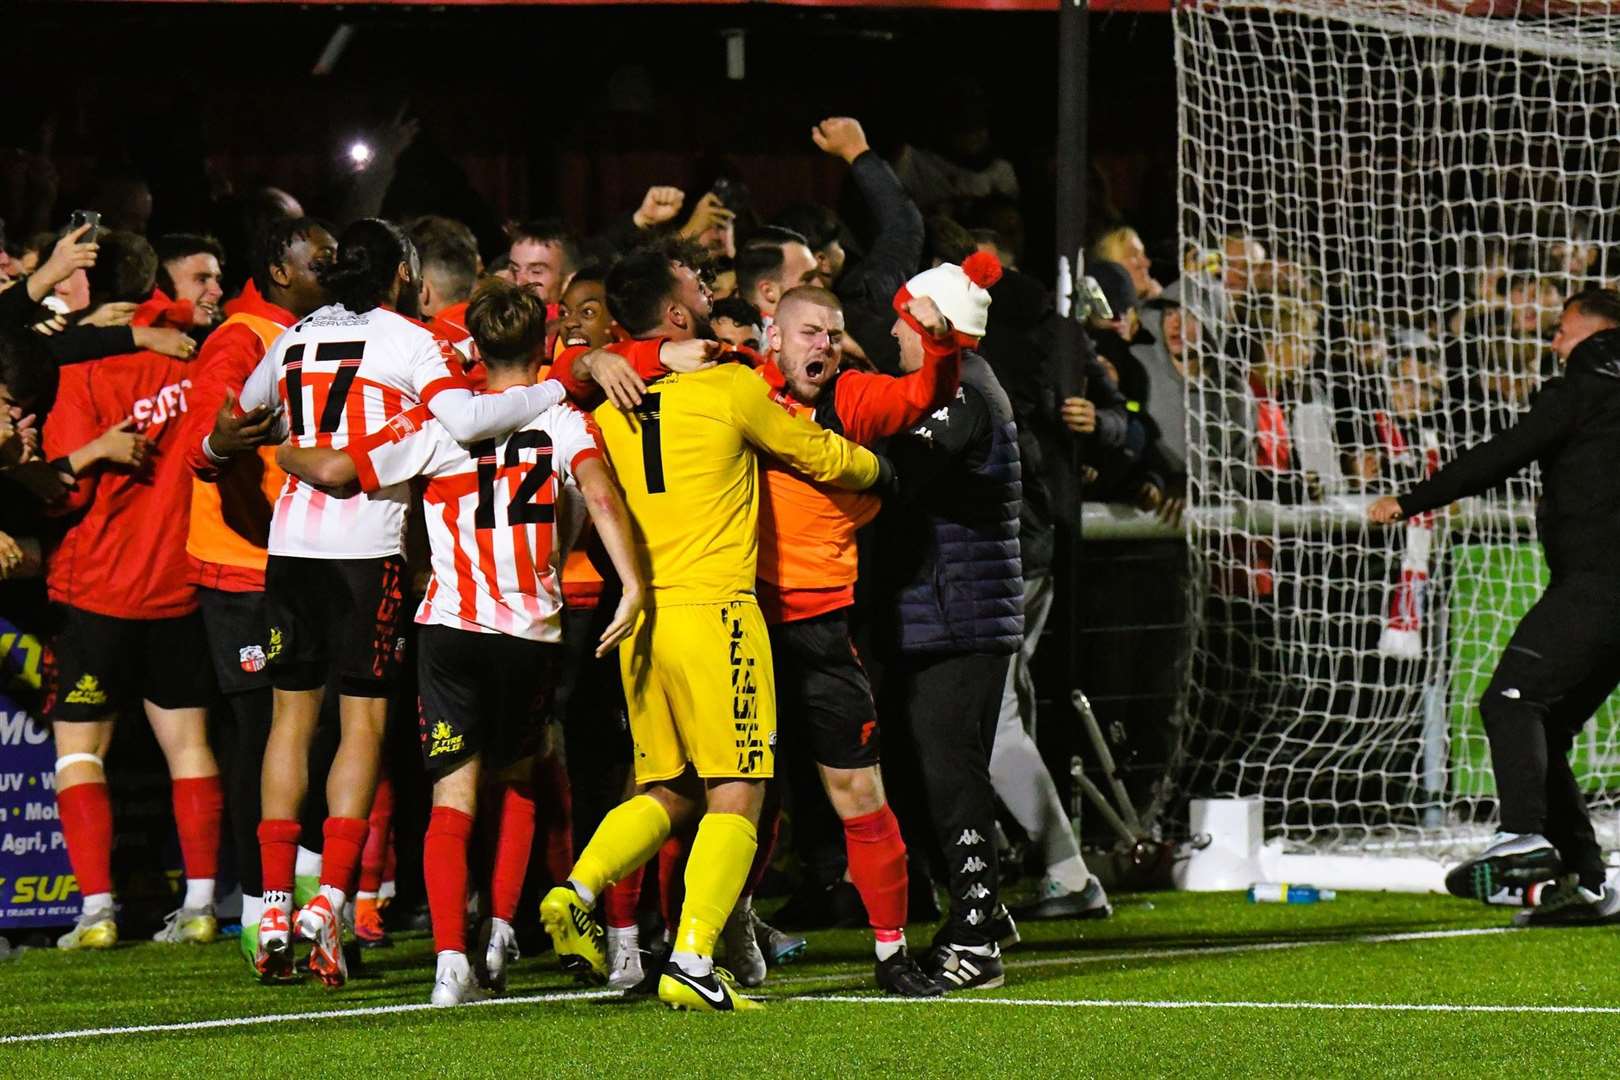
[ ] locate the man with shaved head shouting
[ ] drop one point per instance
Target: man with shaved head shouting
(806, 587)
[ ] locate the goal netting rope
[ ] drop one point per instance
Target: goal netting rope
(1383, 204)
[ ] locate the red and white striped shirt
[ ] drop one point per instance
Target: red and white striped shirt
(497, 513)
(340, 375)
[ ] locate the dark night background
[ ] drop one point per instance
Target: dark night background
(535, 111)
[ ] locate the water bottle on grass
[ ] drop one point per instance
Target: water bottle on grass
(1283, 893)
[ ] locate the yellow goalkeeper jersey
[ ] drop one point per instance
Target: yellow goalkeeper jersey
(685, 458)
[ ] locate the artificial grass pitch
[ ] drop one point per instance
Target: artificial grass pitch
(1174, 984)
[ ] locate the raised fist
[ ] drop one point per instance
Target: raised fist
(841, 136)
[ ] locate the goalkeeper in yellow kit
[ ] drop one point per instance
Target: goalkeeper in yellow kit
(697, 672)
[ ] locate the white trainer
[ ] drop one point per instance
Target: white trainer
(500, 950)
(624, 958)
(453, 984)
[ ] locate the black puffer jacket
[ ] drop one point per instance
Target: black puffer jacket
(949, 545)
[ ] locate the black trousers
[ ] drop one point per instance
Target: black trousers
(1560, 666)
(946, 708)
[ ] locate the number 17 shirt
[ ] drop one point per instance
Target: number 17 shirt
(492, 511)
(341, 375)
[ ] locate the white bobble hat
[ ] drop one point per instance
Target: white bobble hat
(960, 292)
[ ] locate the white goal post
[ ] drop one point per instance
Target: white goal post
(1383, 205)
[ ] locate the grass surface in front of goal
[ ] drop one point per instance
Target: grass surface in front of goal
(1182, 984)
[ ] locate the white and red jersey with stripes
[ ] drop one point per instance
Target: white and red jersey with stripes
(340, 376)
(497, 513)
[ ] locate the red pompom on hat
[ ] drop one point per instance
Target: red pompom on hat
(982, 268)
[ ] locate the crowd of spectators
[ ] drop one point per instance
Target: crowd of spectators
(103, 288)
(1230, 362)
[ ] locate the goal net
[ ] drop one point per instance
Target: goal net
(1383, 204)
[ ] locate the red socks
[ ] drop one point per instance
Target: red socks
(877, 866)
(553, 813)
(621, 899)
(340, 854)
(87, 825)
(374, 857)
(444, 865)
(278, 854)
(514, 839)
(672, 878)
(199, 802)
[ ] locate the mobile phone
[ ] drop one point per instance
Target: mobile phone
(1093, 301)
(91, 218)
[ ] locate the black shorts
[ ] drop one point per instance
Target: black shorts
(481, 694)
(822, 692)
(238, 626)
(98, 665)
(342, 612)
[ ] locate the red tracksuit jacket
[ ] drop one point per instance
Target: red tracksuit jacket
(125, 553)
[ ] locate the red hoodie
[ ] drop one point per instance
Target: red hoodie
(125, 553)
(159, 310)
(451, 324)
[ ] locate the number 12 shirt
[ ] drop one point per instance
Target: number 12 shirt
(492, 510)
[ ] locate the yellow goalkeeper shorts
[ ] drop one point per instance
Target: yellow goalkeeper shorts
(700, 690)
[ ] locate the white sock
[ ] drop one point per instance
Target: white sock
(386, 892)
(334, 896)
(886, 949)
(252, 909)
(98, 901)
(693, 964)
(499, 925)
(1071, 873)
(308, 864)
(451, 960)
(624, 938)
(276, 899)
(584, 894)
(199, 893)
(363, 895)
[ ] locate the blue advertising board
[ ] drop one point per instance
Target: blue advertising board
(37, 887)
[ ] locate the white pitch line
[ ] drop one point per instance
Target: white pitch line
(277, 1018)
(1202, 950)
(1107, 1003)
(587, 995)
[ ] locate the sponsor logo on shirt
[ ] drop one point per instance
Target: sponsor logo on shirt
(162, 406)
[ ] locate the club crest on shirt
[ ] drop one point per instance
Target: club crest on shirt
(252, 658)
(402, 425)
